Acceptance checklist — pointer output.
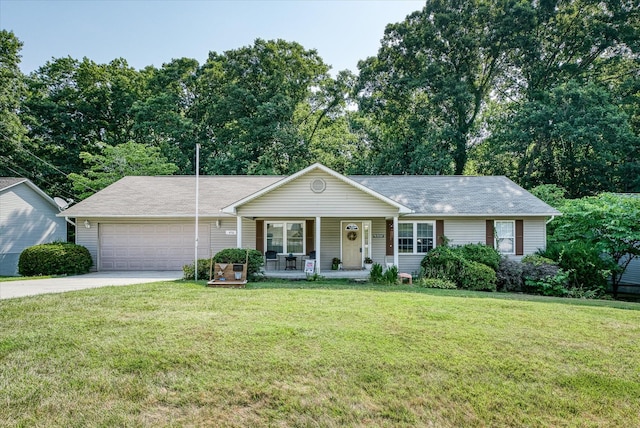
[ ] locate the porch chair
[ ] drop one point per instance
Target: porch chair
(271, 256)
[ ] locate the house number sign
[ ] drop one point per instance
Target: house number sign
(378, 235)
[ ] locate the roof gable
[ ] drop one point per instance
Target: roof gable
(231, 209)
(7, 183)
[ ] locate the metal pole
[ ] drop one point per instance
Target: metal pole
(195, 264)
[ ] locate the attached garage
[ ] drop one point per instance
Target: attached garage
(150, 246)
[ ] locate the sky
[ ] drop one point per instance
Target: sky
(153, 32)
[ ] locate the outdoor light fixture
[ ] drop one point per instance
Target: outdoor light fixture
(87, 224)
(218, 224)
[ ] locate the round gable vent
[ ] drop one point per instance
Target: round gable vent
(318, 185)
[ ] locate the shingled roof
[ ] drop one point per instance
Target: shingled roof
(168, 196)
(6, 182)
(174, 196)
(458, 195)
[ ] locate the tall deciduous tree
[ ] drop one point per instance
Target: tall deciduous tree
(76, 106)
(162, 118)
(116, 162)
(575, 137)
(12, 90)
(432, 76)
(245, 104)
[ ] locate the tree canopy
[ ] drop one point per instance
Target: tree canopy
(544, 92)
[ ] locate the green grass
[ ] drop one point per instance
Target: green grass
(316, 354)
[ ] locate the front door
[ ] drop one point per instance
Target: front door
(352, 245)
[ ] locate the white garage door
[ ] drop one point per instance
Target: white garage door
(159, 246)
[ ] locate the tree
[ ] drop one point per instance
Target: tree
(575, 137)
(116, 162)
(162, 119)
(245, 104)
(12, 90)
(573, 40)
(609, 222)
(432, 76)
(77, 106)
(552, 194)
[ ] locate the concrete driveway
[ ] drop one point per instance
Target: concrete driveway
(31, 287)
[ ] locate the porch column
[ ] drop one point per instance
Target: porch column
(317, 244)
(395, 241)
(239, 231)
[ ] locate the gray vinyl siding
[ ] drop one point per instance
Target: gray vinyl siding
(535, 235)
(89, 238)
(465, 231)
(219, 238)
(26, 219)
(339, 199)
(632, 274)
(248, 233)
(329, 242)
(379, 245)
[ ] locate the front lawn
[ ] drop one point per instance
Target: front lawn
(316, 354)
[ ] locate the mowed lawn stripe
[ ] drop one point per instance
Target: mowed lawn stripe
(177, 354)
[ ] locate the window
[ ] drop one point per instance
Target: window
(285, 237)
(505, 236)
(415, 238)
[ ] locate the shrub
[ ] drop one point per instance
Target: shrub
(549, 285)
(481, 253)
(390, 276)
(435, 283)
(537, 260)
(445, 262)
(509, 275)
(238, 255)
(476, 276)
(375, 275)
(203, 270)
(228, 255)
(56, 258)
(587, 270)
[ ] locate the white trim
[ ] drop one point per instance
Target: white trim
(495, 238)
(362, 228)
(232, 209)
(396, 257)
(239, 232)
(317, 244)
(415, 236)
(284, 223)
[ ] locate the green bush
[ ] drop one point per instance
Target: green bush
(537, 260)
(587, 270)
(476, 276)
(481, 253)
(228, 255)
(56, 258)
(435, 283)
(203, 270)
(375, 275)
(390, 276)
(549, 285)
(509, 275)
(442, 262)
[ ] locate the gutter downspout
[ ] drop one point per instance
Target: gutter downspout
(550, 220)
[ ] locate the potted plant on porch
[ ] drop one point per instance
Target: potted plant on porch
(368, 262)
(335, 263)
